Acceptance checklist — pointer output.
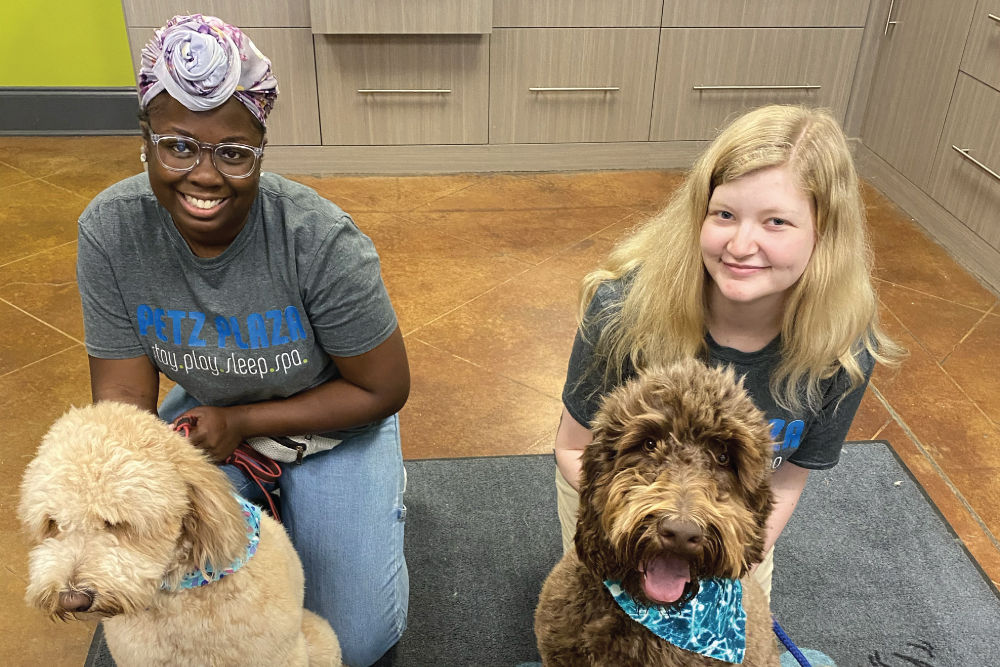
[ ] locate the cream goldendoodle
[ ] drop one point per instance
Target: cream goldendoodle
(674, 499)
(134, 526)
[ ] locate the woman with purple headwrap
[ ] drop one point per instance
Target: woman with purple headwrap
(265, 304)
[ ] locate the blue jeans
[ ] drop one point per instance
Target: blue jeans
(343, 509)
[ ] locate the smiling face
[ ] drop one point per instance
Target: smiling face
(757, 238)
(207, 208)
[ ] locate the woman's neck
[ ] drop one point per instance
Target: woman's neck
(747, 327)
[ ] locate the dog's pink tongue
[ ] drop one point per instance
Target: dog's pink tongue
(665, 579)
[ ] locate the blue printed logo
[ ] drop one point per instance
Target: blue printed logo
(786, 436)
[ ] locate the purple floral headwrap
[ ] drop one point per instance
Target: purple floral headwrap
(201, 61)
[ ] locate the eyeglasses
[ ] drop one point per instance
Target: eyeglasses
(179, 153)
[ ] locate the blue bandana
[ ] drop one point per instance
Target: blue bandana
(713, 624)
(251, 515)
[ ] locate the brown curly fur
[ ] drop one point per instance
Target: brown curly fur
(117, 505)
(682, 446)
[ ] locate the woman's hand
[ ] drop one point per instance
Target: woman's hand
(216, 431)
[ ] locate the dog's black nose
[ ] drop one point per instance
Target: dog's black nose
(76, 600)
(681, 536)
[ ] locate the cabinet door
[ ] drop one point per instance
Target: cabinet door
(914, 77)
(293, 120)
(982, 54)
(764, 13)
(705, 77)
(551, 85)
(966, 178)
(241, 13)
(413, 89)
(417, 17)
(576, 13)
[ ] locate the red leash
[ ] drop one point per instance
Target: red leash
(253, 464)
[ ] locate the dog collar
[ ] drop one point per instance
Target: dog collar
(251, 515)
(713, 623)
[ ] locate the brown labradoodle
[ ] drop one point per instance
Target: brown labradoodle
(674, 499)
(130, 520)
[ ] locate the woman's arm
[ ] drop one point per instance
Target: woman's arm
(571, 439)
(787, 484)
(134, 381)
(371, 386)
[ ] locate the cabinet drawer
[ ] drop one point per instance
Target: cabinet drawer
(420, 89)
(982, 52)
(293, 120)
(571, 84)
(700, 86)
(967, 189)
(576, 13)
(241, 13)
(351, 17)
(764, 13)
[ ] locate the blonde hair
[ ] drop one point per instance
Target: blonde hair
(830, 314)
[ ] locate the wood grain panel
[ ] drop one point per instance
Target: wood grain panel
(353, 17)
(913, 82)
(576, 13)
(691, 57)
(455, 63)
(982, 53)
(242, 13)
(764, 13)
(623, 59)
(967, 190)
(295, 118)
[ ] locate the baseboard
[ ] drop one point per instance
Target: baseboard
(64, 111)
(965, 246)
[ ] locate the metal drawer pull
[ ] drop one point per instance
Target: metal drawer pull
(804, 87)
(964, 152)
(442, 91)
(888, 18)
(994, 17)
(575, 89)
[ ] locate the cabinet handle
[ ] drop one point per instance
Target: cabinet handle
(964, 152)
(417, 91)
(994, 17)
(888, 18)
(575, 89)
(802, 87)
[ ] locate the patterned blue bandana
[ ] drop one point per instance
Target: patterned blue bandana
(251, 514)
(713, 624)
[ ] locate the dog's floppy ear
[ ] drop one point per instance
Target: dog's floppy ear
(213, 528)
(592, 545)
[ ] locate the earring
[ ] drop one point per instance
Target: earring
(142, 157)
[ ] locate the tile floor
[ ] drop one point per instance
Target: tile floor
(483, 271)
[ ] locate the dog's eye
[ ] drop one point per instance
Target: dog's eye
(649, 445)
(51, 528)
(722, 458)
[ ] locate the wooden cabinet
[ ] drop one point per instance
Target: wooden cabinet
(293, 121)
(982, 53)
(243, 13)
(764, 13)
(966, 178)
(576, 13)
(558, 85)
(918, 62)
(413, 89)
(700, 86)
(347, 17)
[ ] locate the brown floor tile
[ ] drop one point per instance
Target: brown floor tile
(584, 256)
(429, 273)
(870, 419)
(459, 409)
(938, 324)
(10, 176)
(522, 330)
(525, 235)
(44, 285)
(44, 156)
(647, 191)
(386, 193)
(974, 365)
(26, 340)
(37, 216)
(506, 192)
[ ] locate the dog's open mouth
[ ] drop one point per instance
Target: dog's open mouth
(666, 579)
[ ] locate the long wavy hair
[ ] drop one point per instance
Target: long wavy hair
(830, 314)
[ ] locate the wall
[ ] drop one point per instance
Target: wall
(64, 43)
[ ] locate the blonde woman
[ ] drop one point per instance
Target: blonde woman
(760, 260)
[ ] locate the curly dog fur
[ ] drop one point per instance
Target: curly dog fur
(120, 508)
(678, 469)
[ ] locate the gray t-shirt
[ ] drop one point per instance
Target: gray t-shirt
(808, 439)
(299, 283)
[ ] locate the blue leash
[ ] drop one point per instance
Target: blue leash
(789, 644)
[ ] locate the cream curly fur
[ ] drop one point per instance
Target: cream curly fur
(118, 505)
